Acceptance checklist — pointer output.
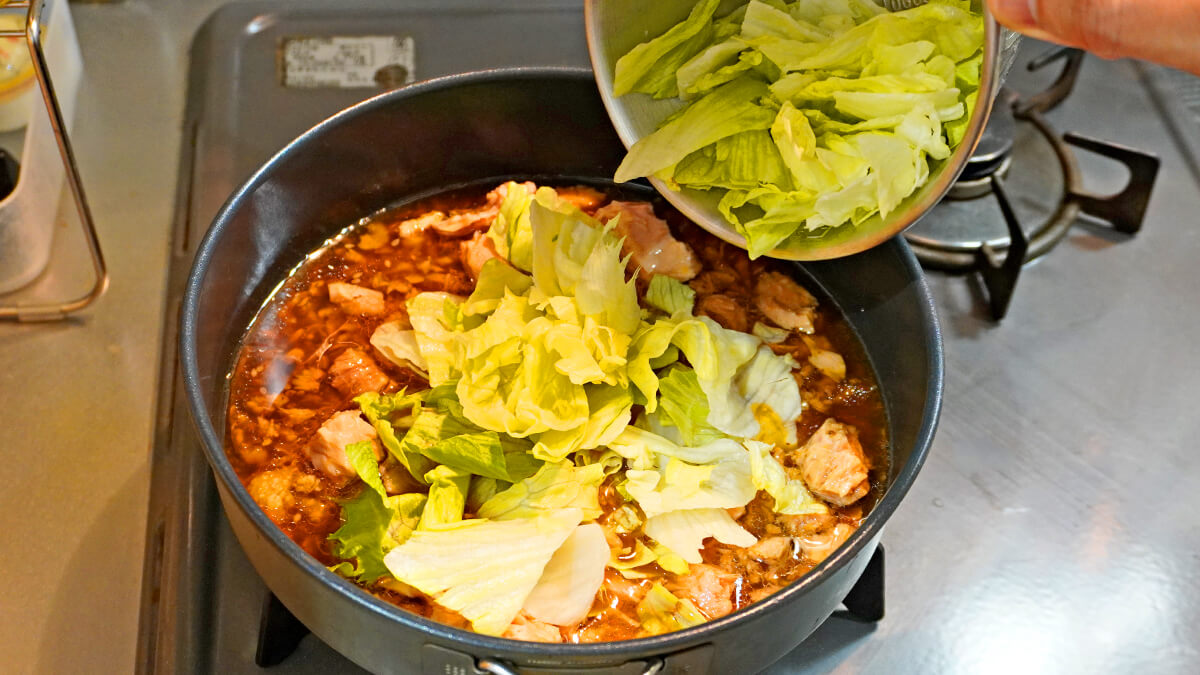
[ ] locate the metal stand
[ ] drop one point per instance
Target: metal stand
(33, 36)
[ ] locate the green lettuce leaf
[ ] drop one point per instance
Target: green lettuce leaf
(684, 532)
(661, 612)
(650, 67)
(362, 458)
(399, 346)
(447, 497)
(729, 109)
(683, 405)
(557, 485)
(510, 231)
(455, 442)
(427, 312)
(670, 295)
(387, 412)
(371, 526)
(482, 569)
(567, 588)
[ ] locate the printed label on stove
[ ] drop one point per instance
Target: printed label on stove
(345, 62)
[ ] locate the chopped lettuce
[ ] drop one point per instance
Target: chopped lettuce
(387, 412)
(676, 484)
(683, 405)
(372, 525)
(792, 498)
(452, 441)
(427, 312)
(670, 295)
(729, 109)
(807, 115)
(555, 486)
(510, 231)
(567, 588)
(684, 531)
(447, 497)
(362, 458)
(399, 346)
(661, 612)
(483, 569)
(642, 69)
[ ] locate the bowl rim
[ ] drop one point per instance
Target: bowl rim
(214, 447)
(903, 218)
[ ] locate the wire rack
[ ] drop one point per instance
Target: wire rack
(33, 34)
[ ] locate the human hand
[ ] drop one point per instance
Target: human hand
(1164, 31)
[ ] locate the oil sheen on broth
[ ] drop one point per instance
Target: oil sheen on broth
(308, 354)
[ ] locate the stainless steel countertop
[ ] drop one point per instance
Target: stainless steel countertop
(1055, 527)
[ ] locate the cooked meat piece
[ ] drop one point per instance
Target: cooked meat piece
(785, 302)
(833, 465)
(725, 311)
(275, 491)
(327, 449)
(584, 197)
(356, 299)
(354, 372)
(713, 281)
(770, 548)
(649, 241)
(525, 627)
(736, 512)
(627, 590)
(708, 587)
(800, 526)
(476, 251)
(417, 225)
(818, 546)
(466, 222)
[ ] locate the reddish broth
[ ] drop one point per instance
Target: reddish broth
(280, 395)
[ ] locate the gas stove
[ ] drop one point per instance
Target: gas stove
(263, 72)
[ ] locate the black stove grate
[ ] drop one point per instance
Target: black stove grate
(965, 240)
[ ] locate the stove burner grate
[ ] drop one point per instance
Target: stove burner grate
(957, 236)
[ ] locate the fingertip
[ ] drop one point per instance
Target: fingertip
(1016, 14)
(1021, 16)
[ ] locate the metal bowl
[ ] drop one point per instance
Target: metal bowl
(433, 136)
(616, 26)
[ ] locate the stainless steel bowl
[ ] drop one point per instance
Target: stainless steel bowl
(616, 26)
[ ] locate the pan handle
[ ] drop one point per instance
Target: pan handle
(496, 667)
(437, 660)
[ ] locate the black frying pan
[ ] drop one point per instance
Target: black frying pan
(463, 129)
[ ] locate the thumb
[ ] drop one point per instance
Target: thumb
(1165, 31)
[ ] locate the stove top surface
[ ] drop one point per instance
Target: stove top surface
(1053, 528)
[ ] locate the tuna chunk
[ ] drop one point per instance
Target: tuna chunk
(725, 311)
(833, 465)
(477, 219)
(771, 548)
(649, 241)
(818, 546)
(276, 492)
(354, 372)
(476, 251)
(709, 588)
(785, 302)
(356, 299)
(527, 628)
(327, 449)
